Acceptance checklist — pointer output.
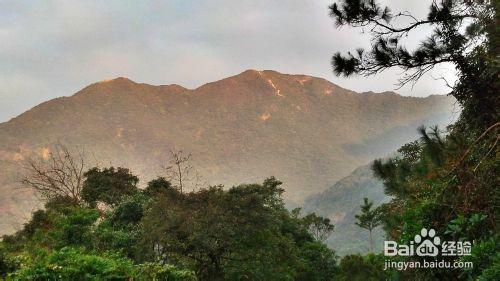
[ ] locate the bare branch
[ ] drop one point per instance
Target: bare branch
(58, 174)
(180, 172)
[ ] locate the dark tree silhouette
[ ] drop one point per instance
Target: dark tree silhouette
(464, 33)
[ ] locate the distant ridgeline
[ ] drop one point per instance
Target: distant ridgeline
(305, 131)
(341, 202)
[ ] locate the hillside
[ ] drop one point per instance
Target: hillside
(341, 202)
(304, 130)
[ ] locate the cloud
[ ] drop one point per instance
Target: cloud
(55, 48)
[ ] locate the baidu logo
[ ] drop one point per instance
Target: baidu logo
(427, 244)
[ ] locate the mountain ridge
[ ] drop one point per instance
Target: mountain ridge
(341, 202)
(306, 131)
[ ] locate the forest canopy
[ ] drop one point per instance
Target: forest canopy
(448, 179)
(116, 231)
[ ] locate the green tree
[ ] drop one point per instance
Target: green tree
(441, 180)
(319, 227)
(368, 219)
(363, 268)
(7, 265)
(318, 263)
(108, 185)
(73, 227)
(159, 186)
(75, 264)
(242, 233)
(163, 272)
(464, 33)
(120, 229)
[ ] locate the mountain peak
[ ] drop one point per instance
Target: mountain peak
(117, 80)
(250, 71)
(109, 85)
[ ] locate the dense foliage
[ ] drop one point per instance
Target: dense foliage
(119, 232)
(447, 180)
(464, 33)
(107, 229)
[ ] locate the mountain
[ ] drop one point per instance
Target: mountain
(341, 202)
(304, 130)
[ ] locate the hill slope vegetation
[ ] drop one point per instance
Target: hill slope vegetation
(303, 130)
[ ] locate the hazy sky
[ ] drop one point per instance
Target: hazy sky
(55, 48)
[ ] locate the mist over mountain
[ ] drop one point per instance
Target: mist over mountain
(341, 202)
(304, 130)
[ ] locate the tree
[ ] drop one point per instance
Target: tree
(319, 227)
(58, 174)
(180, 172)
(108, 185)
(159, 186)
(244, 232)
(6, 265)
(368, 219)
(73, 227)
(318, 262)
(465, 33)
(363, 268)
(440, 178)
(74, 264)
(227, 234)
